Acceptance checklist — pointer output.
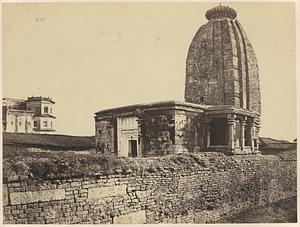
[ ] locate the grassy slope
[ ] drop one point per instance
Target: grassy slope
(63, 142)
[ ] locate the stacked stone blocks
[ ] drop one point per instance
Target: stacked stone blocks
(196, 188)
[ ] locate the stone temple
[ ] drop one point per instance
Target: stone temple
(222, 108)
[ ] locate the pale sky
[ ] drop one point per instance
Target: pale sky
(92, 56)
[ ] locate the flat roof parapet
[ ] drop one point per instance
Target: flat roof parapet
(13, 100)
(177, 105)
(224, 109)
(40, 98)
(154, 106)
(21, 111)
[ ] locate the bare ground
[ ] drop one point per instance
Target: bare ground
(284, 211)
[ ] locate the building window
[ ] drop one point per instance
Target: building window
(201, 99)
(45, 124)
(20, 123)
(36, 109)
(35, 124)
(46, 109)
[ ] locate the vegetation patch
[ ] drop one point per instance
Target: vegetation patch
(58, 142)
(28, 164)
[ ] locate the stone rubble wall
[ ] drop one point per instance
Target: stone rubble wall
(196, 188)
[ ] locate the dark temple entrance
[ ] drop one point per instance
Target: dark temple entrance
(218, 132)
(132, 148)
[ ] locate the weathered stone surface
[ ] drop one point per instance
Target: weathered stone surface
(143, 194)
(36, 196)
(102, 192)
(189, 134)
(5, 195)
(158, 133)
(193, 188)
(106, 136)
(221, 46)
(138, 217)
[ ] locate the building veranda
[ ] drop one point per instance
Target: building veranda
(170, 127)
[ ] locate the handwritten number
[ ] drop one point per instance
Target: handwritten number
(40, 19)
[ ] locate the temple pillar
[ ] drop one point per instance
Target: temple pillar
(242, 133)
(207, 129)
(140, 140)
(256, 133)
(140, 133)
(208, 135)
(252, 135)
(231, 130)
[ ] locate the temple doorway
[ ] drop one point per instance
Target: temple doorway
(218, 132)
(132, 148)
(127, 136)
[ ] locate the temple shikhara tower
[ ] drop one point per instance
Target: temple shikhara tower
(222, 107)
(221, 67)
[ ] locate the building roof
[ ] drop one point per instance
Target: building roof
(21, 111)
(44, 115)
(153, 106)
(12, 100)
(40, 98)
(178, 105)
(226, 109)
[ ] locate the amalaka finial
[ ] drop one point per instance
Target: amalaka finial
(220, 11)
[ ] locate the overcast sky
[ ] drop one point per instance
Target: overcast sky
(93, 56)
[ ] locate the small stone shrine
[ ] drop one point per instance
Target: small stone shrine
(222, 105)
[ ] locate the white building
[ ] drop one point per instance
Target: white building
(34, 115)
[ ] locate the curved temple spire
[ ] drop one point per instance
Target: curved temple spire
(221, 66)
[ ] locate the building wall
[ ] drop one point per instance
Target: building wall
(158, 133)
(18, 108)
(34, 106)
(185, 188)
(38, 107)
(18, 122)
(127, 129)
(154, 132)
(106, 136)
(14, 103)
(50, 125)
(189, 131)
(50, 108)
